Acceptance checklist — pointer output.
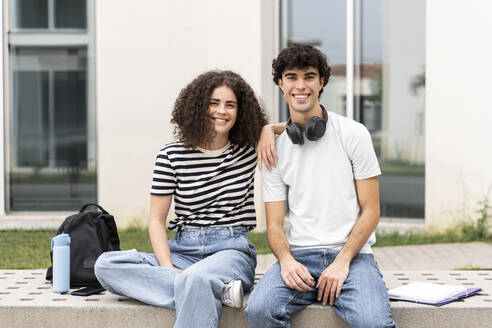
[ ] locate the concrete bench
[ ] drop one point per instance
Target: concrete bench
(26, 300)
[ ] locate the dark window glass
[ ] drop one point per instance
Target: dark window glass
(31, 117)
(70, 124)
(70, 14)
(31, 13)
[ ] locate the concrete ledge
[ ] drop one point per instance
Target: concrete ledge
(26, 220)
(26, 300)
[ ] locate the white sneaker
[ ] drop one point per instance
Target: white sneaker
(232, 295)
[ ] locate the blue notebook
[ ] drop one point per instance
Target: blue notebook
(432, 294)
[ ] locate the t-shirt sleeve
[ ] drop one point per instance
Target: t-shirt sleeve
(362, 155)
(164, 176)
(273, 187)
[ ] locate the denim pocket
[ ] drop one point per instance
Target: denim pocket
(187, 237)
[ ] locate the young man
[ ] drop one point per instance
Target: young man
(327, 169)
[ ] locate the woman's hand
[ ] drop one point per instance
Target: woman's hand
(174, 268)
(266, 147)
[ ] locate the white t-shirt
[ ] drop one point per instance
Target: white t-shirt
(317, 178)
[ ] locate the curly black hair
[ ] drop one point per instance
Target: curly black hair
(301, 56)
(192, 124)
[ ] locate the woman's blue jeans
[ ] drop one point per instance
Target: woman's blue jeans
(209, 257)
(363, 301)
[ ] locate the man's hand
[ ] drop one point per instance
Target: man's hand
(331, 281)
(296, 275)
(266, 147)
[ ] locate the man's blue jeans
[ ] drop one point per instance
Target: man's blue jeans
(363, 301)
(210, 258)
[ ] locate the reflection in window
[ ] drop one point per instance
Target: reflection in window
(389, 84)
(323, 28)
(51, 169)
(389, 99)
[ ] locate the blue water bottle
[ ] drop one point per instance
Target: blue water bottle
(60, 245)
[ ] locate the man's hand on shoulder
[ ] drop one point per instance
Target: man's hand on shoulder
(296, 275)
(331, 281)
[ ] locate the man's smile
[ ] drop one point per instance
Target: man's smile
(300, 96)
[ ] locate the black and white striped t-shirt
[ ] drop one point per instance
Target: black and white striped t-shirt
(210, 188)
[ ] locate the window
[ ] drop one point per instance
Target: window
(321, 24)
(389, 80)
(49, 14)
(386, 49)
(51, 139)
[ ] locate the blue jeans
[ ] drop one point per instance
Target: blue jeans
(209, 257)
(363, 301)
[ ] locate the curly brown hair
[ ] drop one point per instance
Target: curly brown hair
(301, 56)
(190, 114)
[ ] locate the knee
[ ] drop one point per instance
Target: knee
(253, 311)
(258, 310)
(103, 262)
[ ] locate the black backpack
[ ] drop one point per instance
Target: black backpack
(92, 233)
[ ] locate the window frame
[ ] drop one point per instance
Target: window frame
(54, 37)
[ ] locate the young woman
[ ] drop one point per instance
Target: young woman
(210, 173)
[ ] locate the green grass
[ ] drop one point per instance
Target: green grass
(419, 238)
(138, 237)
(30, 249)
(259, 240)
(25, 249)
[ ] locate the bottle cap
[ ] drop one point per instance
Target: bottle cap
(61, 240)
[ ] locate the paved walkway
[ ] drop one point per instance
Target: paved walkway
(476, 255)
(27, 300)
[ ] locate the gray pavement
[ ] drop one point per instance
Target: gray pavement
(455, 256)
(27, 300)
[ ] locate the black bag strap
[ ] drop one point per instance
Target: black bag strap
(110, 223)
(113, 234)
(75, 219)
(93, 204)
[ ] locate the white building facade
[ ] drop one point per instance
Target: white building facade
(88, 90)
